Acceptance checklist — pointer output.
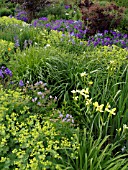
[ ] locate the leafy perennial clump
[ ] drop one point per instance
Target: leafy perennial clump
(6, 51)
(27, 141)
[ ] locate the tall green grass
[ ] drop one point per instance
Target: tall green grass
(94, 154)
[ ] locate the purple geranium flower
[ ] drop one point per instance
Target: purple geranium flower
(67, 6)
(8, 72)
(21, 83)
(43, 19)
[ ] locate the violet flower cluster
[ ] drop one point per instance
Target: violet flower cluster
(4, 71)
(16, 40)
(67, 118)
(67, 6)
(79, 30)
(108, 38)
(76, 28)
(21, 83)
(22, 15)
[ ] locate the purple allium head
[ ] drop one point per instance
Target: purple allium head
(21, 83)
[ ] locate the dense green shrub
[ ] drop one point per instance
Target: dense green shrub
(10, 21)
(54, 9)
(123, 26)
(57, 11)
(6, 8)
(5, 12)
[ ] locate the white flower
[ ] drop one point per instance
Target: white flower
(123, 149)
(73, 91)
(83, 74)
(50, 97)
(125, 126)
(48, 45)
(75, 98)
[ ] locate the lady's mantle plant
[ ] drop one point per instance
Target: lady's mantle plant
(28, 141)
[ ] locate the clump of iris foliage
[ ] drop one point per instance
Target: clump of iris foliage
(63, 95)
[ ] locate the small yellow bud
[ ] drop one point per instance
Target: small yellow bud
(9, 49)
